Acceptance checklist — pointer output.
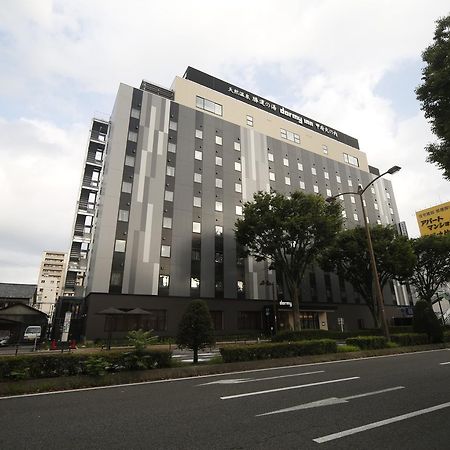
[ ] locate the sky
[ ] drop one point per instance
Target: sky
(352, 64)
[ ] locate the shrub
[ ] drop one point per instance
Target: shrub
(236, 353)
(292, 336)
(140, 339)
(66, 364)
(425, 321)
(347, 348)
(410, 338)
(367, 342)
(447, 336)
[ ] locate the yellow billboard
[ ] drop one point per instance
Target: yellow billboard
(434, 220)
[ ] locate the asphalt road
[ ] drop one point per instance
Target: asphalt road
(396, 402)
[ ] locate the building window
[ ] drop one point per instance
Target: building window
(126, 187)
(270, 156)
(129, 160)
(219, 206)
(240, 286)
(372, 189)
(197, 202)
(300, 166)
(271, 176)
(286, 162)
(197, 177)
(132, 136)
(237, 146)
(237, 166)
(219, 140)
(168, 196)
(326, 175)
(355, 216)
(165, 251)
(219, 182)
(352, 199)
(199, 134)
(290, 136)
(313, 171)
(239, 210)
(116, 278)
(287, 181)
(195, 283)
(302, 184)
(249, 320)
(135, 113)
(195, 254)
(350, 183)
(218, 257)
(218, 161)
(328, 192)
(123, 215)
(208, 105)
(338, 178)
(238, 187)
(173, 125)
(378, 222)
(352, 160)
(217, 316)
(198, 155)
(167, 222)
(388, 196)
(119, 245)
(375, 205)
(219, 230)
(391, 210)
(196, 227)
(164, 281)
(172, 148)
(250, 121)
(316, 188)
(170, 171)
(344, 214)
(325, 149)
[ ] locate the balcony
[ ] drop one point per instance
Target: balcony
(85, 206)
(90, 183)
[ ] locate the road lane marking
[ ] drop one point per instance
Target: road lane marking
(236, 372)
(288, 388)
(329, 401)
(380, 423)
(249, 380)
(444, 363)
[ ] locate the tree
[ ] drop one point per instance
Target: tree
(425, 321)
(195, 330)
(432, 269)
(140, 339)
(434, 94)
(349, 257)
(290, 232)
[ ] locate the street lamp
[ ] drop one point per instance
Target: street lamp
(274, 299)
(378, 291)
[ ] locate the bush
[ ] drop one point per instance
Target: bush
(425, 321)
(406, 339)
(236, 353)
(66, 364)
(140, 339)
(292, 336)
(367, 342)
(347, 348)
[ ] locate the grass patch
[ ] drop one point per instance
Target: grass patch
(347, 348)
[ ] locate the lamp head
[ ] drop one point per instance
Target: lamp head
(393, 169)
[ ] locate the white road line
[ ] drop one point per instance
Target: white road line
(251, 380)
(329, 401)
(268, 391)
(265, 369)
(443, 364)
(380, 423)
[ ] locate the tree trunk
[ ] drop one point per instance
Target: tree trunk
(195, 354)
(296, 308)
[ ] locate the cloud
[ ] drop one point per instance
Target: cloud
(40, 167)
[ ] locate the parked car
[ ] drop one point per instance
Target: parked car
(4, 341)
(32, 332)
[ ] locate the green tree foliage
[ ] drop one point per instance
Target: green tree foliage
(425, 321)
(349, 258)
(195, 330)
(432, 269)
(291, 232)
(140, 339)
(434, 94)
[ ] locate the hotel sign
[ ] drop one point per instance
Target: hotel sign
(435, 220)
(268, 106)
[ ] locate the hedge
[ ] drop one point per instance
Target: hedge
(301, 335)
(66, 364)
(367, 342)
(406, 339)
(236, 353)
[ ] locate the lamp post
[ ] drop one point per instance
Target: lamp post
(373, 265)
(274, 299)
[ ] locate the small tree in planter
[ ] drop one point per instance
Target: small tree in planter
(195, 330)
